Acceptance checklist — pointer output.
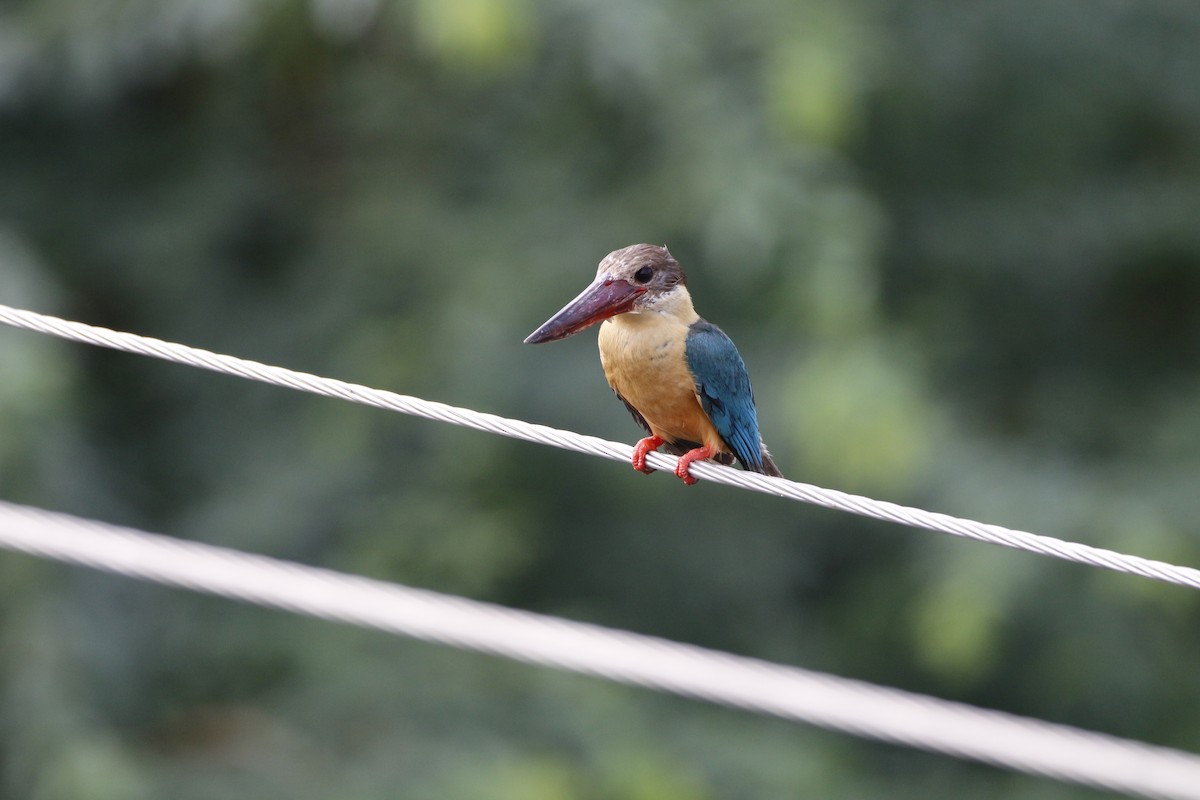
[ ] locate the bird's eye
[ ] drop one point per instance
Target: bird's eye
(644, 274)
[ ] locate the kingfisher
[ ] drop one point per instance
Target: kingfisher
(680, 376)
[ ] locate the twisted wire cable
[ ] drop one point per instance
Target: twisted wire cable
(792, 693)
(569, 440)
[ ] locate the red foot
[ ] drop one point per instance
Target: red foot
(647, 445)
(685, 461)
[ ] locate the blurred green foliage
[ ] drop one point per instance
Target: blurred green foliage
(957, 245)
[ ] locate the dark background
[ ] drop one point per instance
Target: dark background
(956, 243)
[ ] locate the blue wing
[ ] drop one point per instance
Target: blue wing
(724, 390)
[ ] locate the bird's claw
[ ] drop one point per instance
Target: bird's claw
(685, 462)
(652, 443)
(684, 475)
(647, 445)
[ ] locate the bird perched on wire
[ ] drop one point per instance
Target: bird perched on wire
(680, 376)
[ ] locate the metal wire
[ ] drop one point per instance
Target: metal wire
(568, 440)
(841, 704)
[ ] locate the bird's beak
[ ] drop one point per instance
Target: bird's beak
(604, 298)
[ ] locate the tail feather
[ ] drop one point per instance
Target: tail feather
(769, 467)
(768, 463)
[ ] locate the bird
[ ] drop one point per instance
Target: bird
(679, 375)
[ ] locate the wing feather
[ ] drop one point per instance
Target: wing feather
(723, 388)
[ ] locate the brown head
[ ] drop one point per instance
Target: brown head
(628, 280)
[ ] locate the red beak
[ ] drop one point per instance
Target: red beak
(603, 299)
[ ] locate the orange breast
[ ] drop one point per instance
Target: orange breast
(644, 361)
